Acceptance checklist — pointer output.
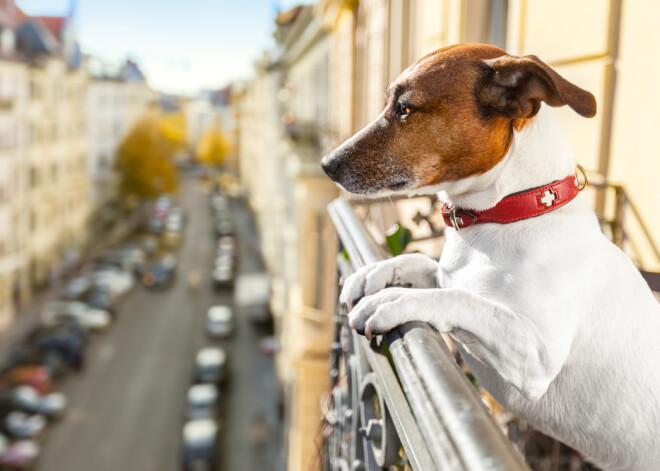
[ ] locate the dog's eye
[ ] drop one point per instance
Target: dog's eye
(402, 109)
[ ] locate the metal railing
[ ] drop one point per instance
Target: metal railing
(401, 400)
(623, 214)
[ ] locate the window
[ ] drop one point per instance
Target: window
(486, 22)
(33, 134)
(34, 177)
(104, 162)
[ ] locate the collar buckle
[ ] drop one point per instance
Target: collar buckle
(451, 214)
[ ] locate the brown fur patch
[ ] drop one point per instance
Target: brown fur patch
(439, 123)
(520, 123)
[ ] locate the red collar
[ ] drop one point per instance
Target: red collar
(512, 208)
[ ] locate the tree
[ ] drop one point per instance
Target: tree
(144, 160)
(173, 127)
(213, 147)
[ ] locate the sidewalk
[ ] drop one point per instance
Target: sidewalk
(24, 321)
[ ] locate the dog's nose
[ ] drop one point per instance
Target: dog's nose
(330, 165)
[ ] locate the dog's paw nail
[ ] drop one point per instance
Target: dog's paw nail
(359, 328)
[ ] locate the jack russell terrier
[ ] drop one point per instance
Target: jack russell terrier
(553, 319)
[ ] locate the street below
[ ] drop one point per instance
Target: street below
(126, 408)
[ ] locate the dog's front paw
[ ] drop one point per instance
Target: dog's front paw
(381, 312)
(410, 271)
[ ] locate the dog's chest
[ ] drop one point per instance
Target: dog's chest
(478, 267)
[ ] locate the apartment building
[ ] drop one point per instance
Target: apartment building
(43, 145)
(13, 226)
(117, 96)
(56, 146)
(287, 106)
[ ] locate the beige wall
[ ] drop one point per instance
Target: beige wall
(635, 151)
(13, 253)
(577, 45)
(56, 157)
(602, 46)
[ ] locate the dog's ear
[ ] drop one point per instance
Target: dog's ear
(516, 86)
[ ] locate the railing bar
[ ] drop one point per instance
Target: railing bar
(357, 241)
(439, 401)
(431, 377)
(402, 416)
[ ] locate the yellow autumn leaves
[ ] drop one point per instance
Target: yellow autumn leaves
(145, 161)
(213, 147)
(145, 157)
(335, 13)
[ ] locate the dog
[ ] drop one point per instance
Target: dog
(552, 319)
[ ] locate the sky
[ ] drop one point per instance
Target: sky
(181, 46)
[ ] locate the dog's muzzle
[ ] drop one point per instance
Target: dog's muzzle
(330, 166)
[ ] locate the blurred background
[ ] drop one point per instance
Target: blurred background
(167, 263)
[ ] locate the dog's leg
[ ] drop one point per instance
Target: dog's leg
(492, 333)
(410, 271)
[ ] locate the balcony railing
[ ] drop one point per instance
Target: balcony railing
(402, 400)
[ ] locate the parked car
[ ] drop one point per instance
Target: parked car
(37, 376)
(117, 280)
(19, 455)
(252, 296)
(156, 225)
(227, 247)
(224, 226)
(21, 425)
(219, 321)
(163, 205)
(29, 355)
(211, 365)
(178, 212)
(174, 222)
(223, 273)
(67, 339)
(219, 202)
(101, 296)
(202, 402)
(269, 345)
(200, 445)
(161, 274)
(58, 312)
(129, 257)
(78, 287)
(27, 399)
(148, 243)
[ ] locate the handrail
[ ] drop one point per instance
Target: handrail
(458, 432)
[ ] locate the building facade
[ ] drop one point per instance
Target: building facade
(216, 111)
(43, 142)
(287, 105)
(14, 251)
(56, 159)
(116, 100)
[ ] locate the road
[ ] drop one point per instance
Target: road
(126, 407)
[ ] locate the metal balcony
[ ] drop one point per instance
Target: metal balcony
(402, 400)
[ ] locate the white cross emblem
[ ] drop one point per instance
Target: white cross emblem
(549, 198)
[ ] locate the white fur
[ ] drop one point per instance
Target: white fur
(554, 320)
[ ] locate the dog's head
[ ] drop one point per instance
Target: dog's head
(449, 116)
